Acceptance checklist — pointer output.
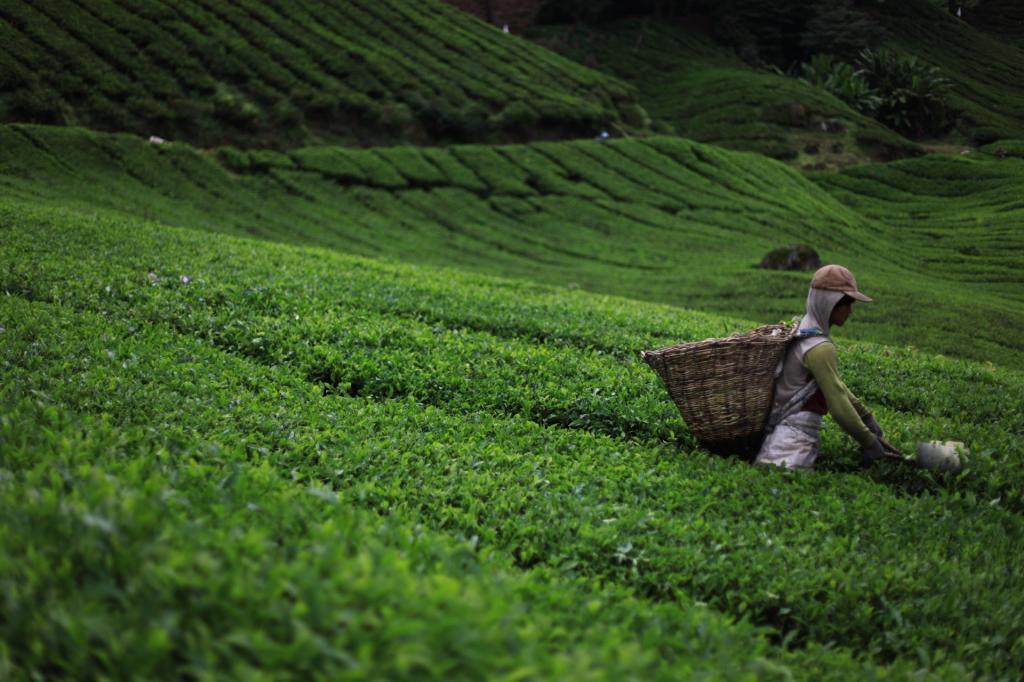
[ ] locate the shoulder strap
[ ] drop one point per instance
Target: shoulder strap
(798, 399)
(792, 406)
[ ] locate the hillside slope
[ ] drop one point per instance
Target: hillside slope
(261, 457)
(662, 219)
(963, 214)
(704, 91)
(1004, 18)
(987, 72)
(281, 74)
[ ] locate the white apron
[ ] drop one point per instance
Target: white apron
(793, 443)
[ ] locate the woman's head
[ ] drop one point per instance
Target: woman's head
(830, 298)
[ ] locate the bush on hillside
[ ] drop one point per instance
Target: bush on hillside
(798, 257)
(912, 92)
(899, 90)
(843, 80)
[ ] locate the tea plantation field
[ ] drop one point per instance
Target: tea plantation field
(984, 67)
(1002, 18)
(705, 92)
(233, 457)
(286, 73)
(295, 395)
(937, 240)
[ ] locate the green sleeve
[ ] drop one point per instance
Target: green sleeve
(823, 363)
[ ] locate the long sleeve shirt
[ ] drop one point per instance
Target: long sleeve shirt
(823, 363)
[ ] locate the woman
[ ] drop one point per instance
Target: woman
(809, 386)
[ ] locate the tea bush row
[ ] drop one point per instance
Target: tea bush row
(284, 73)
(716, 214)
(137, 551)
(580, 504)
(962, 204)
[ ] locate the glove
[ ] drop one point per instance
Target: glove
(872, 425)
(873, 452)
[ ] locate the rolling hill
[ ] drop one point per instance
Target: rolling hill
(704, 91)
(660, 219)
(985, 69)
(283, 74)
(284, 435)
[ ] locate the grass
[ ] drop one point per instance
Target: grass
(705, 92)
(275, 74)
(302, 462)
(661, 219)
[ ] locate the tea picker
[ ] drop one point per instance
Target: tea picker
(764, 393)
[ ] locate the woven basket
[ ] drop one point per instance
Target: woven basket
(724, 387)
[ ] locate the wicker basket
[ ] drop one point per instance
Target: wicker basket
(724, 387)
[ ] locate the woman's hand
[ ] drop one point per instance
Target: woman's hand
(872, 425)
(873, 452)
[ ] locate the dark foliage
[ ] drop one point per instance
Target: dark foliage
(799, 257)
(782, 32)
(911, 92)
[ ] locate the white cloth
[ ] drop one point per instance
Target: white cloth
(820, 303)
(794, 442)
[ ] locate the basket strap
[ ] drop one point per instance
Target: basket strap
(792, 406)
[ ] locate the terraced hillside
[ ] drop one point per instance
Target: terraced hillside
(286, 73)
(705, 92)
(986, 70)
(271, 415)
(662, 219)
(223, 457)
(1004, 18)
(963, 215)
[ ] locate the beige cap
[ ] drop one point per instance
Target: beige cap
(838, 278)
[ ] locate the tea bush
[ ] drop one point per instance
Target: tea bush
(132, 552)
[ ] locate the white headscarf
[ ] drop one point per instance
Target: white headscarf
(820, 303)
